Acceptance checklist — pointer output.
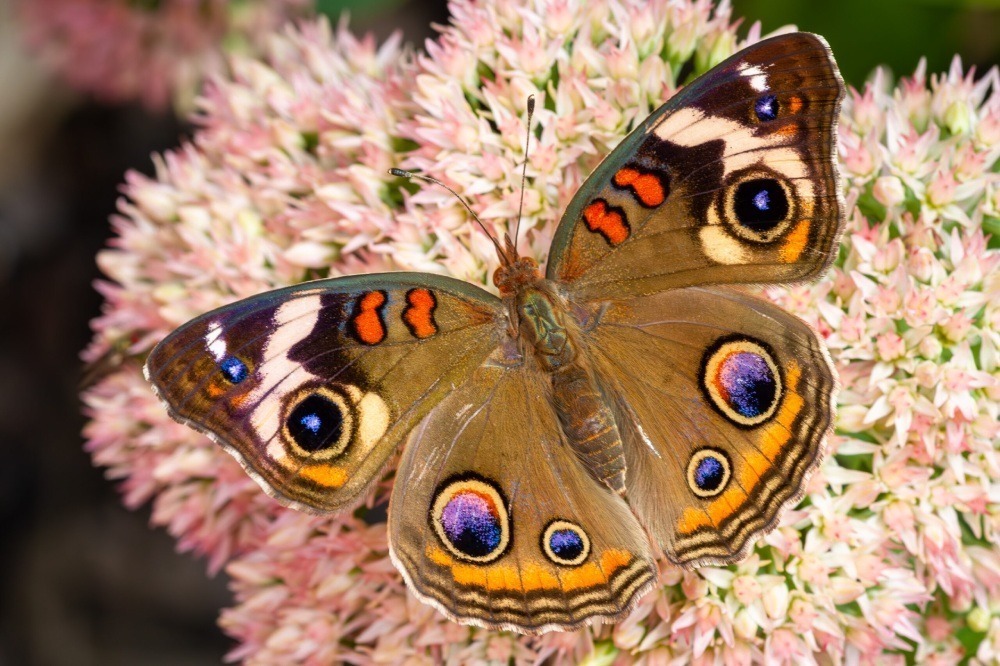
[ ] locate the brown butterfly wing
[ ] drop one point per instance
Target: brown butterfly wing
(495, 521)
(733, 180)
(724, 402)
(312, 387)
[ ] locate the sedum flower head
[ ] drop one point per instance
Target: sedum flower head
(894, 553)
(152, 51)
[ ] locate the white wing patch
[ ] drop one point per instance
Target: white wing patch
(758, 79)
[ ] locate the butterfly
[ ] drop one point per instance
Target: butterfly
(634, 402)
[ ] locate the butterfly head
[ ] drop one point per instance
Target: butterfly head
(514, 275)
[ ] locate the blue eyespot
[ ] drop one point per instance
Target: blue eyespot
(316, 423)
(469, 514)
(472, 524)
(766, 108)
(565, 543)
(708, 472)
(234, 369)
(760, 204)
(742, 380)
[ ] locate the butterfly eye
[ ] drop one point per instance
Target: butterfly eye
(766, 108)
(565, 543)
(708, 472)
(469, 515)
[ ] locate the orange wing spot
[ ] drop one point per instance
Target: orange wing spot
(534, 577)
(368, 326)
(692, 519)
(609, 221)
(795, 242)
(419, 313)
(727, 503)
(788, 131)
(646, 186)
(531, 577)
(794, 104)
(592, 575)
(325, 475)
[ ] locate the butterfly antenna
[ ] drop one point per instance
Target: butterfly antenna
(399, 173)
(524, 170)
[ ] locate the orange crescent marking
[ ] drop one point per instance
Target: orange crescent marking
(325, 475)
(794, 104)
(530, 577)
(609, 222)
(773, 437)
(795, 242)
(646, 186)
(368, 323)
(419, 313)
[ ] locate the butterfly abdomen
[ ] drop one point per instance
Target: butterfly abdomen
(584, 415)
(589, 425)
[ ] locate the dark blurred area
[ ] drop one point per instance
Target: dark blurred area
(83, 580)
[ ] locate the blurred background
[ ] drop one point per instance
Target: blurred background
(83, 580)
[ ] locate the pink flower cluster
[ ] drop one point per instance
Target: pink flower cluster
(154, 51)
(894, 555)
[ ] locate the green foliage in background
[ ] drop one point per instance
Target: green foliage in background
(897, 33)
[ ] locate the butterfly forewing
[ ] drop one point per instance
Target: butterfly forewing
(311, 387)
(732, 180)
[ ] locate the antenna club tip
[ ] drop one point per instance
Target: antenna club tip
(399, 173)
(531, 103)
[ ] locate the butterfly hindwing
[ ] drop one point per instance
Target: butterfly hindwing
(497, 523)
(311, 387)
(724, 428)
(733, 180)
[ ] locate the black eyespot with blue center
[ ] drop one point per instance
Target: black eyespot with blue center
(760, 204)
(316, 423)
(469, 514)
(565, 543)
(741, 378)
(234, 369)
(766, 108)
(708, 472)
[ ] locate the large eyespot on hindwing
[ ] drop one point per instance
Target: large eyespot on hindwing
(741, 379)
(708, 472)
(565, 543)
(758, 205)
(469, 515)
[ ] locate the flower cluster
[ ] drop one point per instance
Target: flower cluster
(153, 51)
(894, 554)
